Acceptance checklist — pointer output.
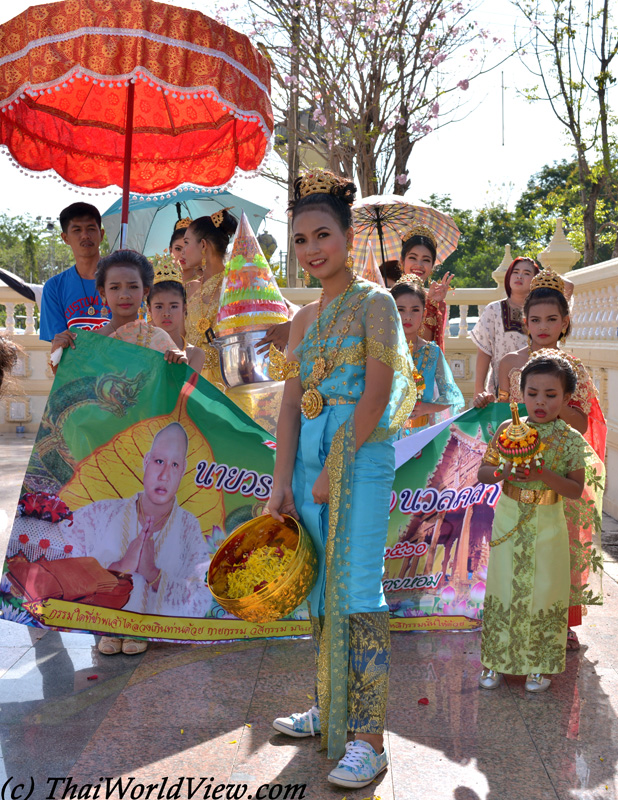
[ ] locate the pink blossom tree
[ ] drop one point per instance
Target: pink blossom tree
(376, 77)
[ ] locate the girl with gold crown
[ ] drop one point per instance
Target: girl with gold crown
(500, 329)
(528, 577)
(546, 313)
(349, 389)
(167, 303)
(438, 396)
(418, 257)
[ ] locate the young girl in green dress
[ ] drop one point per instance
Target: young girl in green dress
(528, 578)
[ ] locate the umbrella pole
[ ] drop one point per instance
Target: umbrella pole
(126, 178)
(380, 234)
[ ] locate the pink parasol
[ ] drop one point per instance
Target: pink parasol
(382, 220)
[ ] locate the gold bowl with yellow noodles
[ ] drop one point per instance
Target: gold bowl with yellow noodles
(280, 551)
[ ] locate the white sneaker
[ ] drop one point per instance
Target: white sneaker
(359, 766)
(299, 725)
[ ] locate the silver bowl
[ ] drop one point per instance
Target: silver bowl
(241, 364)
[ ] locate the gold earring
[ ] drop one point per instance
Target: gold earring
(306, 278)
(349, 262)
(203, 260)
(529, 345)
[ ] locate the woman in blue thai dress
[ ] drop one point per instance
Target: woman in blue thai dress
(348, 391)
(439, 397)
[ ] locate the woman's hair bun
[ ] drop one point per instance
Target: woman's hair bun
(346, 191)
(229, 223)
(218, 234)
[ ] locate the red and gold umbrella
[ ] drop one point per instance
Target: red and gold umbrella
(132, 93)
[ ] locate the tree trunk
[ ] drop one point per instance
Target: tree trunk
(292, 266)
(402, 152)
(590, 224)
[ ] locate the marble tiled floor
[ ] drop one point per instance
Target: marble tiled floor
(198, 711)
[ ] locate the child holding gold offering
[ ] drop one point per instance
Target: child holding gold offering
(528, 579)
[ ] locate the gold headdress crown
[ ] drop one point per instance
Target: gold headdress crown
(320, 181)
(420, 230)
(552, 354)
(167, 270)
(547, 279)
(217, 217)
(183, 223)
(409, 280)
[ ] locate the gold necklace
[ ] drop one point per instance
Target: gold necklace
(320, 366)
(312, 402)
(157, 523)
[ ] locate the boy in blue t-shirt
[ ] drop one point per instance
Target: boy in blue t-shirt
(70, 299)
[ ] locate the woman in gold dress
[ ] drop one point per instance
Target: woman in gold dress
(206, 242)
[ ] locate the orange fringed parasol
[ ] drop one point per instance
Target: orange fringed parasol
(132, 93)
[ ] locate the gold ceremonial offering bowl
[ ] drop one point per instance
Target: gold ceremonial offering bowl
(279, 597)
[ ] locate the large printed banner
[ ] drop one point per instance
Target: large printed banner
(125, 434)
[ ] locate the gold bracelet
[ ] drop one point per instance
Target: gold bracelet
(503, 396)
(155, 579)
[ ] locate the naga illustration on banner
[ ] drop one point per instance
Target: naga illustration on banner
(140, 471)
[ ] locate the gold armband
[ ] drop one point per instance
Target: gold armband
(292, 370)
(279, 368)
(211, 357)
(503, 396)
(276, 364)
(491, 456)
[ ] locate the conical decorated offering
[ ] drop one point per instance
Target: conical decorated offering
(250, 297)
(371, 271)
(519, 443)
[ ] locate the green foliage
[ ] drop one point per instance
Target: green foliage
(554, 192)
(30, 251)
(484, 233)
(551, 193)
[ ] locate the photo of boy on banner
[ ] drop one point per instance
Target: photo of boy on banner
(149, 536)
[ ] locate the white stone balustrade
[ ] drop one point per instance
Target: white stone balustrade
(25, 405)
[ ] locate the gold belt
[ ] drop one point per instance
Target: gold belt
(339, 401)
(539, 497)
